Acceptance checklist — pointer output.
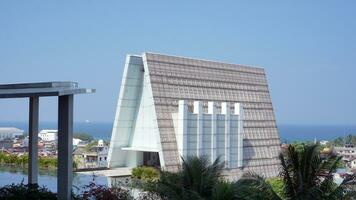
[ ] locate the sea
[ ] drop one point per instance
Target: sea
(288, 132)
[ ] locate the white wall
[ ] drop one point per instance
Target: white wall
(130, 90)
(9, 133)
(48, 135)
(219, 133)
(135, 125)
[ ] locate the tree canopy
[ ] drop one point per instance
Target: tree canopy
(342, 141)
(83, 136)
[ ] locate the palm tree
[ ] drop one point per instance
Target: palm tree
(197, 179)
(305, 176)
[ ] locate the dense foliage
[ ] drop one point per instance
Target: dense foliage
(342, 141)
(277, 185)
(305, 176)
(34, 192)
(44, 162)
(26, 192)
(91, 144)
(197, 179)
(48, 162)
(100, 192)
(145, 173)
(83, 136)
(13, 159)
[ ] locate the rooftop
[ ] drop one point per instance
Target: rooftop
(9, 129)
(20, 90)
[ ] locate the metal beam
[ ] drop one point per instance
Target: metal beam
(33, 140)
(65, 147)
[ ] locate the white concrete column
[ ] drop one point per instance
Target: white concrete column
(225, 109)
(212, 111)
(198, 109)
(33, 140)
(240, 142)
(65, 147)
(183, 128)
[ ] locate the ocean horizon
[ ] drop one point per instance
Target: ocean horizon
(287, 132)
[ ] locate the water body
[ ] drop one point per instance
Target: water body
(48, 178)
(290, 133)
(287, 133)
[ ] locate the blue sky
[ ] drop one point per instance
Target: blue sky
(307, 48)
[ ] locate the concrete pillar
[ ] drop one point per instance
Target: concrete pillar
(65, 147)
(212, 111)
(183, 128)
(33, 140)
(225, 109)
(198, 109)
(240, 142)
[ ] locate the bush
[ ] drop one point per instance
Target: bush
(25, 192)
(100, 192)
(12, 159)
(277, 185)
(48, 162)
(148, 174)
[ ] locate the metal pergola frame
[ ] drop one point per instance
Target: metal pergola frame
(65, 92)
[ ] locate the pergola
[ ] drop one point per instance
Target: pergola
(65, 92)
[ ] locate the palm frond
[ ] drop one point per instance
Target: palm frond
(254, 186)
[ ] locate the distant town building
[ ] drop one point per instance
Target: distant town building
(97, 155)
(101, 151)
(48, 135)
(90, 159)
(103, 156)
(10, 133)
(82, 144)
(25, 142)
(323, 142)
(6, 144)
(348, 152)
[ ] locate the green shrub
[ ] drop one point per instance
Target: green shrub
(136, 172)
(148, 174)
(12, 159)
(277, 185)
(48, 162)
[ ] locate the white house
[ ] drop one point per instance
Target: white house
(25, 142)
(348, 152)
(76, 141)
(10, 133)
(353, 163)
(101, 143)
(103, 156)
(102, 153)
(98, 155)
(48, 135)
